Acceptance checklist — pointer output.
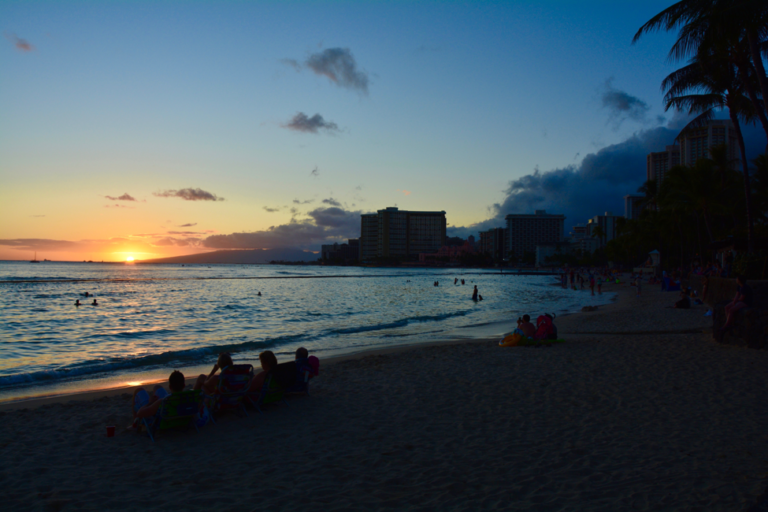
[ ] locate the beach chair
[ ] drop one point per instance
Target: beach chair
(178, 410)
(271, 393)
(304, 372)
(232, 389)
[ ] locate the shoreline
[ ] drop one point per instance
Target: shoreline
(95, 394)
(461, 334)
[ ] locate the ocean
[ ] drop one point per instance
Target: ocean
(154, 318)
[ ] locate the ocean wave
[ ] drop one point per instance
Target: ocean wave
(101, 366)
(133, 334)
(398, 323)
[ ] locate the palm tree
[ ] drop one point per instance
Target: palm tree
(706, 23)
(597, 232)
(649, 190)
(707, 83)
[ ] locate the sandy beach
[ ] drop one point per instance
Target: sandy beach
(638, 410)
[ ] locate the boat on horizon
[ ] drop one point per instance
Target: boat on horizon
(35, 259)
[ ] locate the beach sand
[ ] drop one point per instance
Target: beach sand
(638, 410)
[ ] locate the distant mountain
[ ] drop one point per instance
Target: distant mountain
(241, 256)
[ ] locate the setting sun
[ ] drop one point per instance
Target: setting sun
(129, 258)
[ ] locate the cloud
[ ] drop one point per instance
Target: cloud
(336, 64)
(189, 225)
(271, 210)
(100, 246)
(315, 172)
(118, 206)
(331, 201)
(301, 123)
(324, 225)
(597, 184)
(308, 201)
(189, 194)
(124, 197)
(405, 192)
(21, 44)
(622, 106)
(292, 63)
(186, 233)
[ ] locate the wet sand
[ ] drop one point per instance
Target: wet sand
(638, 410)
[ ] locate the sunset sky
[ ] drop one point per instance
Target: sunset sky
(152, 129)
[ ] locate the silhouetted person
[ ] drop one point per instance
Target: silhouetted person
(474, 293)
(77, 302)
(94, 303)
(259, 294)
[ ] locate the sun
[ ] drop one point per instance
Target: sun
(129, 258)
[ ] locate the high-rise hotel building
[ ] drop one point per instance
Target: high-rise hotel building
(657, 164)
(369, 236)
(401, 234)
(695, 142)
(526, 231)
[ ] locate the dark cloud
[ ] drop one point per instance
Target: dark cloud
(338, 65)
(596, 185)
(186, 233)
(308, 201)
(271, 210)
(325, 225)
(302, 123)
(189, 225)
(315, 172)
(20, 44)
(622, 106)
(331, 201)
(124, 197)
(189, 194)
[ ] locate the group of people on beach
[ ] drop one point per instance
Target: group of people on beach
(587, 277)
(146, 405)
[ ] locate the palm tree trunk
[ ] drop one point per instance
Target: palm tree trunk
(757, 58)
(745, 170)
(698, 233)
(753, 98)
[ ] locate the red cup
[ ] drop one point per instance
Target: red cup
(110, 431)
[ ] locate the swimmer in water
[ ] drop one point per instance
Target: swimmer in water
(94, 303)
(77, 302)
(474, 294)
(86, 294)
(259, 294)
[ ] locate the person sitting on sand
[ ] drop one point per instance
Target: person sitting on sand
(529, 330)
(210, 382)
(145, 406)
(743, 299)
(685, 300)
(268, 363)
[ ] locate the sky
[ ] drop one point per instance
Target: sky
(152, 129)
